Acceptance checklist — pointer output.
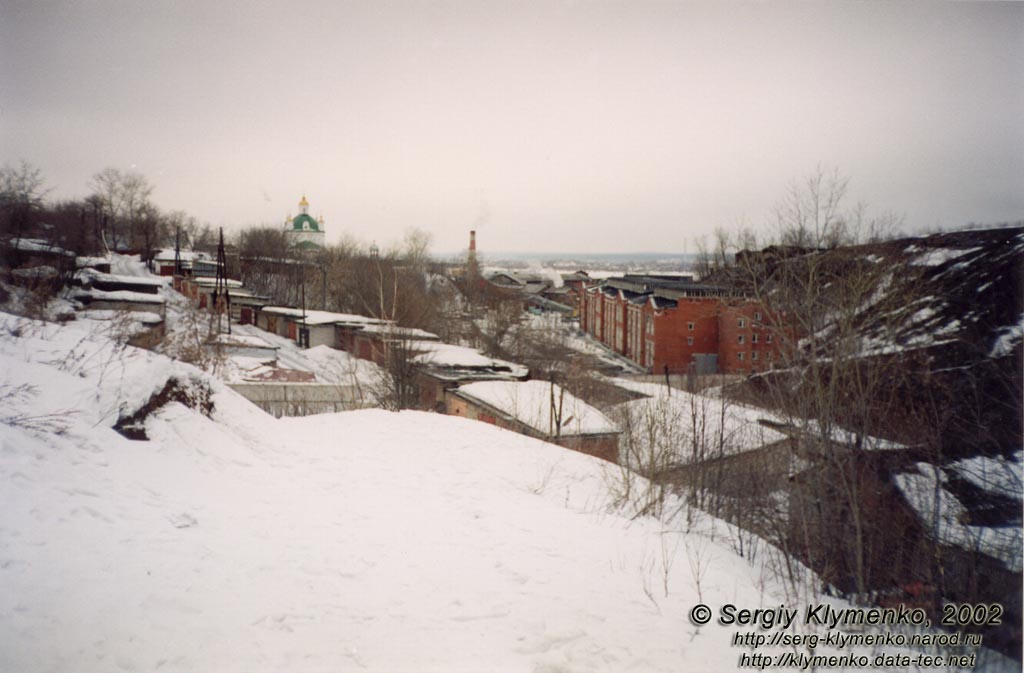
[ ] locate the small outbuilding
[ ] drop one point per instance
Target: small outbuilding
(538, 409)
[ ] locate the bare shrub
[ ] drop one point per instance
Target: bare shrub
(13, 396)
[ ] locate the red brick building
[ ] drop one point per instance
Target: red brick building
(673, 322)
(747, 340)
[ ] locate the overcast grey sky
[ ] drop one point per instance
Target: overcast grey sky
(550, 126)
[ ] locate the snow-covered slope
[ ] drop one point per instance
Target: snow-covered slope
(358, 541)
(959, 287)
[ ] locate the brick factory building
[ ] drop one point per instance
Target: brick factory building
(675, 323)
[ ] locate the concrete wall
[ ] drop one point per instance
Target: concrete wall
(302, 399)
(605, 447)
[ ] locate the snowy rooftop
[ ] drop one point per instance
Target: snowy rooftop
(241, 293)
(450, 355)
(672, 421)
(530, 402)
(91, 261)
(322, 363)
(118, 296)
(396, 332)
(274, 374)
(38, 245)
(314, 317)
(245, 340)
(144, 317)
(209, 281)
(167, 255)
(113, 278)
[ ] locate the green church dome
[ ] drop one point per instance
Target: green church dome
(305, 222)
(303, 231)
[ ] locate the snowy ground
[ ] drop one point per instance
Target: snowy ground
(927, 492)
(356, 541)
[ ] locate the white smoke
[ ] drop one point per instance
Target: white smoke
(545, 272)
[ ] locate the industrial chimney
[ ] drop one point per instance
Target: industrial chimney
(472, 270)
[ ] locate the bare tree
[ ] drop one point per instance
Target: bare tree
(810, 216)
(387, 297)
(70, 227)
(385, 287)
(106, 195)
(179, 228)
(825, 385)
(397, 387)
(498, 328)
(265, 265)
(202, 237)
(124, 197)
(150, 230)
(652, 430)
(702, 264)
(135, 191)
(416, 248)
(21, 195)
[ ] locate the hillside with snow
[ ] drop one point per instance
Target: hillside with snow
(229, 540)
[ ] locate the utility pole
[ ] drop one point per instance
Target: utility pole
(177, 251)
(304, 330)
(555, 411)
(221, 296)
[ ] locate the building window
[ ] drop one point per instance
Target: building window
(768, 338)
(689, 341)
(740, 356)
(753, 356)
(689, 326)
(753, 338)
(742, 323)
(768, 355)
(757, 315)
(741, 339)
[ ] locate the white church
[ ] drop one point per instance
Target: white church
(304, 232)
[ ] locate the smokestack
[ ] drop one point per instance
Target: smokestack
(471, 269)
